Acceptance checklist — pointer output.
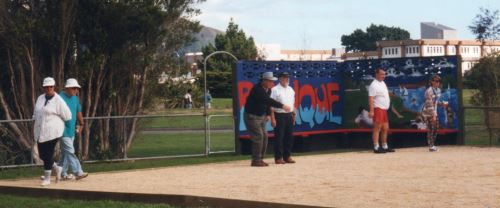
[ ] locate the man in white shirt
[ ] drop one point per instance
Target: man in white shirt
(283, 121)
(379, 101)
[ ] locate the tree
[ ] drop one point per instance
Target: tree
(112, 47)
(486, 25)
(121, 50)
(360, 40)
(35, 42)
(235, 42)
(485, 77)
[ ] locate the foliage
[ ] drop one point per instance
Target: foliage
(486, 24)
(360, 40)
(220, 83)
(173, 93)
(115, 49)
(485, 77)
(235, 42)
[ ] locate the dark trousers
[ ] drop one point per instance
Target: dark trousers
(283, 133)
(256, 127)
(46, 152)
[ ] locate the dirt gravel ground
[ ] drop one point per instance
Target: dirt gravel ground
(411, 177)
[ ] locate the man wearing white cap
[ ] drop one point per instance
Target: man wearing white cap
(68, 158)
(257, 108)
(50, 113)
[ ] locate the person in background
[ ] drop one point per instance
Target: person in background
(379, 102)
(188, 100)
(68, 158)
(429, 112)
(208, 99)
(257, 109)
(283, 121)
(50, 113)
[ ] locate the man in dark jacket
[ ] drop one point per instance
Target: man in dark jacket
(257, 109)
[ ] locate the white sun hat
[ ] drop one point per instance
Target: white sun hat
(71, 83)
(48, 81)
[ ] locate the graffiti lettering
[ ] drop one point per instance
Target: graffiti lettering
(313, 105)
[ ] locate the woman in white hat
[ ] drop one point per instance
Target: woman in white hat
(68, 159)
(50, 114)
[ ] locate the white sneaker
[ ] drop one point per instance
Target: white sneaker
(45, 182)
(82, 176)
(58, 173)
(68, 177)
(433, 149)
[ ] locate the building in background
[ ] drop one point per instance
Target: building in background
(443, 43)
(273, 52)
(431, 30)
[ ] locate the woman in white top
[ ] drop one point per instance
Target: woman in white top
(50, 113)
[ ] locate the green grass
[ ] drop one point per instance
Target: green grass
(222, 103)
(22, 202)
(161, 144)
(476, 133)
(195, 122)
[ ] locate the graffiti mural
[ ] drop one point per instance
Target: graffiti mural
(317, 86)
(407, 80)
(332, 95)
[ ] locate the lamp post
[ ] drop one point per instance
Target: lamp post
(205, 93)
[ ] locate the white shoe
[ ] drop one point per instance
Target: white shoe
(82, 176)
(433, 149)
(58, 173)
(68, 177)
(45, 182)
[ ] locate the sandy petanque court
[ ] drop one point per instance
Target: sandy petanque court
(411, 177)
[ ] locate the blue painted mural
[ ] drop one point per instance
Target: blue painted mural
(330, 95)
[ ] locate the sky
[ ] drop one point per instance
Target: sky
(319, 24)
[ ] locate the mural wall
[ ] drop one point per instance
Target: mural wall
(317, 86)
(407, 80)
(332, 95)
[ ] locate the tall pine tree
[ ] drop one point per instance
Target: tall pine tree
(220, 67)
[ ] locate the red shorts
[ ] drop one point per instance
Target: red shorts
(380, 116)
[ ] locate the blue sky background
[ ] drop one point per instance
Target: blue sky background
(319, 24)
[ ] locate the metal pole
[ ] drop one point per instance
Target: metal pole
(207, 151)
(124, 140)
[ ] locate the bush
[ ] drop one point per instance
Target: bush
(173, 94)
(485, 77)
